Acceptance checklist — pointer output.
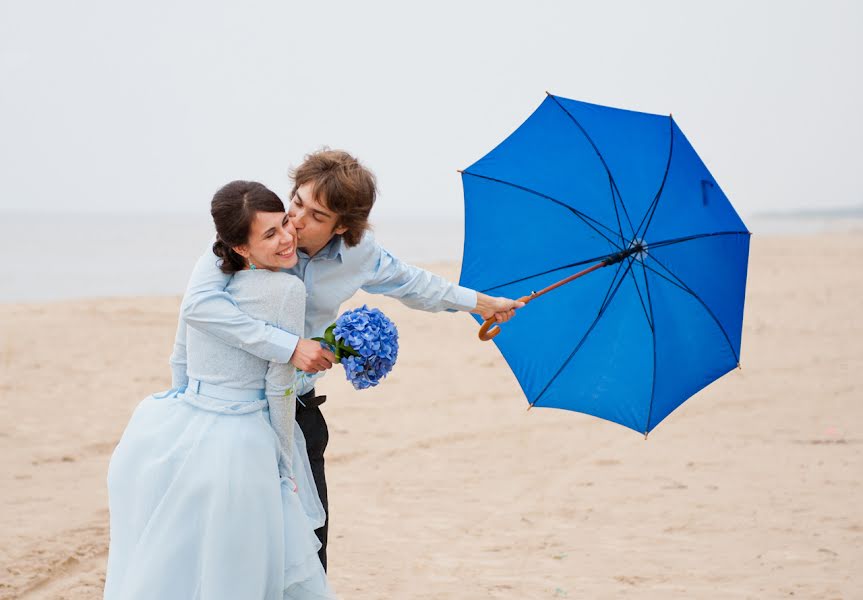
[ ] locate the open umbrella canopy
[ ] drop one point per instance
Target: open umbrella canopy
(578, 184)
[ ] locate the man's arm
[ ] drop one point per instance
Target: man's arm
(209, 308)
(424, 290)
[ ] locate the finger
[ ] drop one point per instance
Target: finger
(328, 355)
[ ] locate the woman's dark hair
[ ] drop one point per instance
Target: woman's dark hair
(233, 208)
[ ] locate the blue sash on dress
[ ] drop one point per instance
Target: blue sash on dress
(223, 400)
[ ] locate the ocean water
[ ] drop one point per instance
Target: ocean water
(60, 256)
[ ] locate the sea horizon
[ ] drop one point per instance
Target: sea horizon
(60, 256)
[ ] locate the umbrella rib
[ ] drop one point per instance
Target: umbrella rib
(651, 210)
(649, 302)
(640, 298)
(682, 285)
(575, 264)
(617, 212)
(666, 278)
(604, 164)
(609, 296)
(653, 337)
(608, 292)
(585, 218)
(688, 238)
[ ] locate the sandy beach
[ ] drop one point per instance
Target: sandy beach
(443, 486)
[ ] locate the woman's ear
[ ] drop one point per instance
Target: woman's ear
(242, 250)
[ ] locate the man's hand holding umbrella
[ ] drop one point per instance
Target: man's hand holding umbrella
(498, 308)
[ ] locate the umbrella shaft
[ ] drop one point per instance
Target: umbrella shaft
(610, 260)
(553, 286)
(489, 329)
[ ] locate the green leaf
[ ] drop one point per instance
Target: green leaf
(329, 336)
(348, 350)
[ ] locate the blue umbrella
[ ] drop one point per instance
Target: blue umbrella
(580, 188)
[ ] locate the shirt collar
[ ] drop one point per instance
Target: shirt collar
(333, 249)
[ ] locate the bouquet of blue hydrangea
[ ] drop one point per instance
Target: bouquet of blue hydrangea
(366, 343)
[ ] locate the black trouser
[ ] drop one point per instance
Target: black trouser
(314, 428)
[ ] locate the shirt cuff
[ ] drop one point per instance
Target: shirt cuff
(464, 299)
(283, 345)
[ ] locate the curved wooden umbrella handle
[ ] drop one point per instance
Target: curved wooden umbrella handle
(488, 330)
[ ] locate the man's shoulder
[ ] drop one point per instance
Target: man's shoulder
(368, 248)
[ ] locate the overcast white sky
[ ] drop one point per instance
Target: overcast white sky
(151, 106)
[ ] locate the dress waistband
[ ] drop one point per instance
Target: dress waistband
(224, 393)
(222, 399)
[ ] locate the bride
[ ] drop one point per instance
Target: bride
(210, 493)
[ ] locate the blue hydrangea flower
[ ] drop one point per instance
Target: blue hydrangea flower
(369, 333)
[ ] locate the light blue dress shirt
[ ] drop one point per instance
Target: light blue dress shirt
(332, 276)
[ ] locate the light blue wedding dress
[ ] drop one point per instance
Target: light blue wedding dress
(210, 492)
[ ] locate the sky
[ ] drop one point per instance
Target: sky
(149, 107)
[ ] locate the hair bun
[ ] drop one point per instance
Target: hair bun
(229, 258)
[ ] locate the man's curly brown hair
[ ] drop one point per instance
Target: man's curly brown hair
(343, 185)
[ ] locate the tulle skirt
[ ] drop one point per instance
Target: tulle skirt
(198, 510)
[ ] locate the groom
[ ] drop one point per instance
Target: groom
(330, 205)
